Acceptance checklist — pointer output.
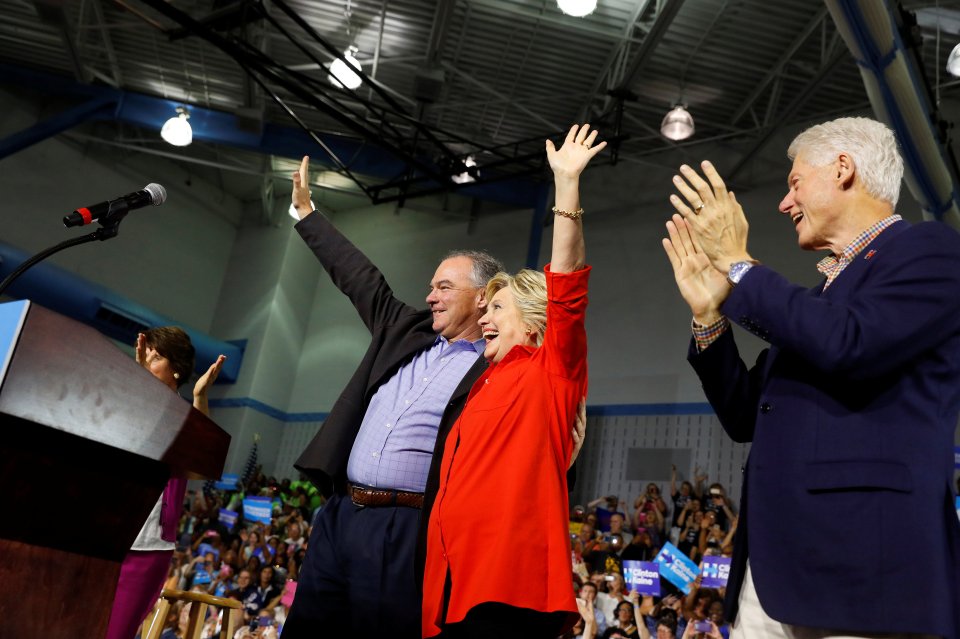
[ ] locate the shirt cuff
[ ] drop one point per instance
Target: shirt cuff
(707, 335)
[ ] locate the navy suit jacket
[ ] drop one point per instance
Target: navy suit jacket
(847, 511)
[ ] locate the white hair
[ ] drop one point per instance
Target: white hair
(871, 144)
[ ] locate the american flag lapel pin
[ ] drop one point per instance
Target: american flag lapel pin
(869, 254)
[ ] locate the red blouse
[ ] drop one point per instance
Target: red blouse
(500, 521)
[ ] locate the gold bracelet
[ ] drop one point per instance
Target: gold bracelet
(573, 215)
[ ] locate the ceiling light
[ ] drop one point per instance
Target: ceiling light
(953, 61)
(465, 177)
(678, 124)
(577, 8)
(340, 72)
(177, 130)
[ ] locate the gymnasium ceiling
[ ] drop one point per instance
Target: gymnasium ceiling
(448, 78)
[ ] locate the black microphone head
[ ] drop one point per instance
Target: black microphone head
(158, 194)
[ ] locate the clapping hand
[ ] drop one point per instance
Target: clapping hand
(714, 214)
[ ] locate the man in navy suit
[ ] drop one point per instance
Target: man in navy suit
(847, 523)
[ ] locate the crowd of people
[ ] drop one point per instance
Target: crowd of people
(609, 531)
(253, 562)
(258, 564)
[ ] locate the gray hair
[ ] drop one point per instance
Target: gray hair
(485, 266)
(871, 144)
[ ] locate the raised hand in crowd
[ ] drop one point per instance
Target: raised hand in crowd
(589, 618)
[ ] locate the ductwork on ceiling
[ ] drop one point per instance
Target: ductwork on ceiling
(114, 316)
(897, 93)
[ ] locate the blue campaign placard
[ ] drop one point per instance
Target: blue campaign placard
(676, 567)
(715, 572)
(956, 457)
(12, 316)
(642, 576)
(257, 509)
(228, 518)
(204, 548)
(227, 482)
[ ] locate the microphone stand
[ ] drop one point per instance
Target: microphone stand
(109, 227)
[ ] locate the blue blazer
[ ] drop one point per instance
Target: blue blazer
(847, 511)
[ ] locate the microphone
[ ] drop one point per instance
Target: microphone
(152, 193)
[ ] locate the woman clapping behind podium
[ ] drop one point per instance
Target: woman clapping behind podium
(169, 355)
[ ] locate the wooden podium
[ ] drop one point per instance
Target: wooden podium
(88, 439)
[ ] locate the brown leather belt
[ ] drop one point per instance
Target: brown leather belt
(363, 496)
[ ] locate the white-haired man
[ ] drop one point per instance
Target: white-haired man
(851, 411)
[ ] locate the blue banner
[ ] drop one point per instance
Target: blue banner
(257, 509)
(715, 571)
(642, 576)
(227, 482)
(204, 548)
(676, 567)
(228, 518)
(12, 316)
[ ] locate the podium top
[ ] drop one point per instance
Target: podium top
(66, 376)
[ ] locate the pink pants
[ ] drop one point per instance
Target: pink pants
(142, 574)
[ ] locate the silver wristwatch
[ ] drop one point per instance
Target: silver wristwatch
(738, 270)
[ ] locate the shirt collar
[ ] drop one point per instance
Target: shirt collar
(858, 244)
(478, 345)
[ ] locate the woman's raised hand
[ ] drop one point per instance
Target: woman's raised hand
(576, 152)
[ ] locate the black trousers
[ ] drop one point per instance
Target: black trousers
(357, 579)
(500, 621)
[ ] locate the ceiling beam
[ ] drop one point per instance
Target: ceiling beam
(787, 55)
(489, 89)
(803, 94)
(514, 8)
(660, 26)
(620, 49)
(107, 42)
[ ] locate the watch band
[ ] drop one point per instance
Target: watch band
(738, 270)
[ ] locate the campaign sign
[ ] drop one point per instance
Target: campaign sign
(958, 506)
(12, 316)
(227, 482)
(715, 571)
(676, 567)
(257, 509)
(956, 457)
(228, 518)
(642, 576)
(204, 548)
(201, 577)
(575, 527)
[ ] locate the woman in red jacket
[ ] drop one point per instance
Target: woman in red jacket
(513, 441)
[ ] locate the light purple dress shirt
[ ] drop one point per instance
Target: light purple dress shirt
(395, 444)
